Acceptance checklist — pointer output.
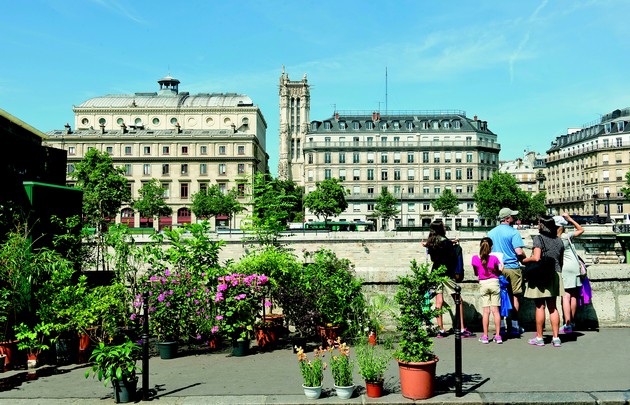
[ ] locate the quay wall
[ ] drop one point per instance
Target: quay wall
(380, 257)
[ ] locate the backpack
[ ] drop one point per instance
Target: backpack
(459, 265)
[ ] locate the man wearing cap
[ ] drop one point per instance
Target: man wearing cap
(507, 241)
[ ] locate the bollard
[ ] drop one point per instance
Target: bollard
(145, 346)
(458, 342)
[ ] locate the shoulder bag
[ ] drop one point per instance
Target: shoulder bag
(578, 258)
(536, 271)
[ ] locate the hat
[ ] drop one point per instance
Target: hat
(560, 221)
(506, 212)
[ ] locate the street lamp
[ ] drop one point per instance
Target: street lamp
(595, 208)
(607, 206)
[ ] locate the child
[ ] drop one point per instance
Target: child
(488, 268)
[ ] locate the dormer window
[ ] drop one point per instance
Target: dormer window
(446, 124)
(425, 124)
(457, 124)
(409, 125)
(342, 125)
(620, 126)
(435, 125)
(396, 125)
(369, 125)
(313, 126)
(383, 125)
(355, 125)
(607, 127)
(327, 125)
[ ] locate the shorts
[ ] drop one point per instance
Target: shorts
(448, 287)
(490, 292)
(515, 277)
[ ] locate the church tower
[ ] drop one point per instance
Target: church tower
(295, 105)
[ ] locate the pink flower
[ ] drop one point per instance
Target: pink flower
(214, 329)
(267, 303)
(132, 317)
(198, 336)
(218, 297)
(167, 272)
(222, 287)
(218, 317)
(161, 298)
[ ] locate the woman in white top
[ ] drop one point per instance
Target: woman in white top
(570, 270)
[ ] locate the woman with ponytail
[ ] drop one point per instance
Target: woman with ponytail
(488, 268)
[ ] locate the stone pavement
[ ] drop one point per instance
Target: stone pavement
(591, 367)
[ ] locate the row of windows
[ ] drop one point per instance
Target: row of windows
(408, 207)
(166, 169)
(410, 190)
(166, 150)
(384, 125)
(156, 121)
(449, 174)
(397, 157)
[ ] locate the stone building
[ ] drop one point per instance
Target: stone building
(587, 168)
(188, 142)
(415, 155)
(529, 172)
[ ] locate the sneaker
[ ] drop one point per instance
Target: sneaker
(498, 339)
(467, 334)
(517, 331)
(536, 341)
(441, 334)
(566, 329)
(556, 342)
(484, 340)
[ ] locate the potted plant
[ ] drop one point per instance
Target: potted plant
(342, 366)
(338, 294)
(117, 363)
(377, 309)
(33, 340)
(312, 372)
(415, 356)
(373, 361)
(239, 300)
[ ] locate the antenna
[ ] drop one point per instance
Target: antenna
(385, 90)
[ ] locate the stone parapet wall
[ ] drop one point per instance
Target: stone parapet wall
(380, 257)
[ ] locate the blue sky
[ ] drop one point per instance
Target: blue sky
(531, 69)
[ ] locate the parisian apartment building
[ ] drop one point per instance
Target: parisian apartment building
(414, 155)
(189, 142)
(586, 168)
(530, 171)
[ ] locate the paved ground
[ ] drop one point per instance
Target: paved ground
(591, 367)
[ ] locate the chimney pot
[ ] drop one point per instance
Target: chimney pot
(475, 118)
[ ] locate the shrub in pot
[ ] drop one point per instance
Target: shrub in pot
(373, 362)
(33, 340)
(414, 325)
(117, 363)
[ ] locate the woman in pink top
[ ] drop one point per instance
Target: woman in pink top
(488, 268)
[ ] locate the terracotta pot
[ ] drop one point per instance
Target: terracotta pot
(417, 379)
(372, 339)
(374, 389)
(328, 334)
(9, 349)
(266, 337)
(31, 360)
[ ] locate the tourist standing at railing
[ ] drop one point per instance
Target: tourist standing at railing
(507, 240)
(488, 269)
(571, 270)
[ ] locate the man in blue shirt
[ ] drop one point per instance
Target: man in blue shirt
(507, 241)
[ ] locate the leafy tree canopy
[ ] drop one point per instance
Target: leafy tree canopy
(626, 190)
(385, 207)
(536, 206)
(447, 203)
(328, 199)
(499, 191)
(151, 203)
(277, 200)
(212, 202)
(104, 187)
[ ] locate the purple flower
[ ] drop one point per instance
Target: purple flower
(214, 329)
(161, 298)
(167, 272)
(218, 317)
(222, 287)
(218, 297)
(267, 304)
(198, 336)
(132, 317)
(168, 304)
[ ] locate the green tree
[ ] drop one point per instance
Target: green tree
(535, 207)
(212, 202)
(626, 190)
(328, 199)
(385, 207)
(104, 192)
(499, 191)
(151, 203)
(447, 203)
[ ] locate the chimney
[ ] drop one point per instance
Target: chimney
(123, 128)
(475, 118)
(378, 116)
(373, 116)
(102, 128)
(68, 128)
(337, 116)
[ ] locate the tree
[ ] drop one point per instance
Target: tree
(536, 207)
(104, 192)
(447, 203)
(499, 191)
(385, 207)
(275, 203)
(212, 202)
(151, 203)
(626, 190)
(328, 199)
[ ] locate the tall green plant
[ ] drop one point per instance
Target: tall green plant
(414, 295)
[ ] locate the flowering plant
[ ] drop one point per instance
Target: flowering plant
(373, 361)
(239, 299)
(312, 371)
(341, 365)
(178, 303)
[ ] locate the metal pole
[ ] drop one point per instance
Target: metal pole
(458, 342)
(145, 346)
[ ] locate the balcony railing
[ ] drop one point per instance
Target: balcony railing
(408, 145)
